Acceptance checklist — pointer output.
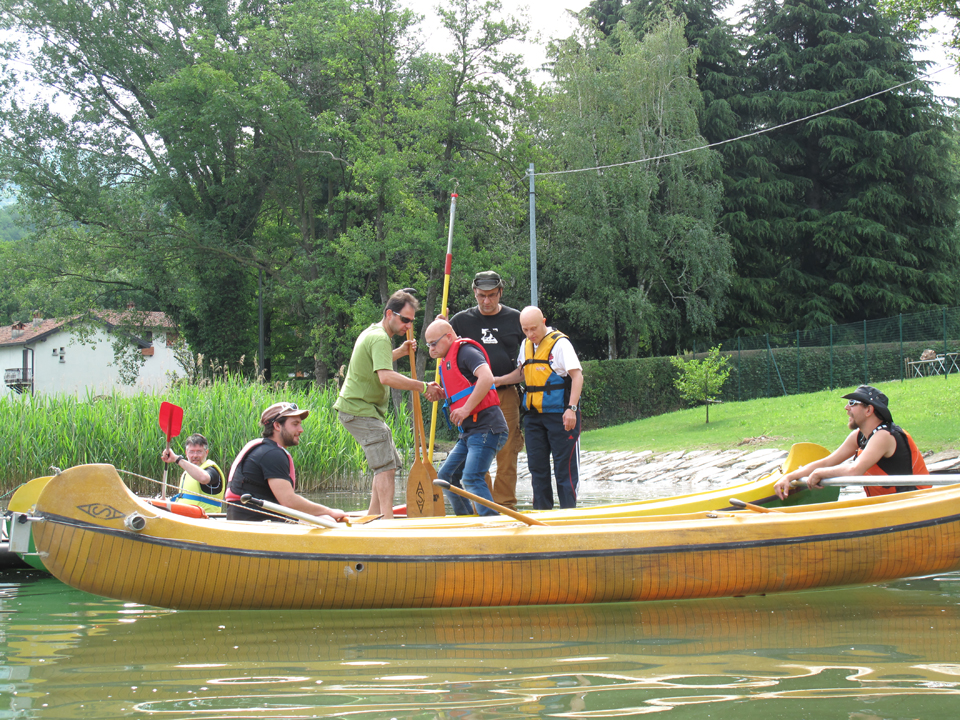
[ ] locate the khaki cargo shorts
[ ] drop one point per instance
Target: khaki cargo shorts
(375, 439)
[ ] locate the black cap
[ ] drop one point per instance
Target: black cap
(487, 280)
(871, 396)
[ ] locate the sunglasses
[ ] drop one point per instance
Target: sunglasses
(403, 319)
(852, 403)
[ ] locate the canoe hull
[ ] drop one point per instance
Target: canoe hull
(190, 564)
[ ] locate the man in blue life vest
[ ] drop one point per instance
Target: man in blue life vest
(877, 445)
(550, 369)
(264, 468)
(474, 407)
(202, 482)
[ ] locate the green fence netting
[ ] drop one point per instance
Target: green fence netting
(866, 352)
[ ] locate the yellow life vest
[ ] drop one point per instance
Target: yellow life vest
(546, 391)
(191, 492)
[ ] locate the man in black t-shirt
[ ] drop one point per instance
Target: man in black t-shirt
(264, 468)
(497, 328)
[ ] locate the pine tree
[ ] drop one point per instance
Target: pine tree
(851, 214)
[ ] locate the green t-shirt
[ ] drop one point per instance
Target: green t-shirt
(362, 393)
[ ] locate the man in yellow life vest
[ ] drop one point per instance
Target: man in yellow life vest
(550, 369)
(202, 481)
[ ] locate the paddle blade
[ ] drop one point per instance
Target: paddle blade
(420, 500)
(171, 419)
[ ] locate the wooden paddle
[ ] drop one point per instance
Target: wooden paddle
(750, 506)
(324, 521)
(171, 420)
(487, 503)
(422, 497)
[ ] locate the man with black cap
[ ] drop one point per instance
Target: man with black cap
(877, 445)
(497, 328)
(264, 468)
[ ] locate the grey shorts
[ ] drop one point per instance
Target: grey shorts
(375, 439)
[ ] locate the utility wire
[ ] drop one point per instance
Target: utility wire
(749, 135)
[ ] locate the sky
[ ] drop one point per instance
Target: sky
(550, 19)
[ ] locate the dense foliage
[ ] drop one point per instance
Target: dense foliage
(196, 157)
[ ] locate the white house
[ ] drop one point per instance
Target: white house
(128, 353)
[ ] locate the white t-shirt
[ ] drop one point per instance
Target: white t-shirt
(563, 358)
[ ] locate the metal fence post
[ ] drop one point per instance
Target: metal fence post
(739, 373)
(866, 372)
(798, 362)
(946, 368)
(901, 347)
(767, 337)
(831, 357)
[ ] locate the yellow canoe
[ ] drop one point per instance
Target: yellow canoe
(97, 536)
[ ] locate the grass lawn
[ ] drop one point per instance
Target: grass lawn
(927, 408)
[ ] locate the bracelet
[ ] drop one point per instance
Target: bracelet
(424, 387)
(177, 461)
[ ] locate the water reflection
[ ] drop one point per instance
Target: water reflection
(854, 653)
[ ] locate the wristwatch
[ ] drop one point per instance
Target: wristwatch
(571, 407)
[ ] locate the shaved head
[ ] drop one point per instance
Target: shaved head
(438, 328)
(439, 335)
(533, 324)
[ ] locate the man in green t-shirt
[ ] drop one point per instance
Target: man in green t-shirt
(365, 395)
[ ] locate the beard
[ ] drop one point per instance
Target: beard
(288, 438)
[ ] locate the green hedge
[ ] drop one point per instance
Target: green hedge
(618, 391)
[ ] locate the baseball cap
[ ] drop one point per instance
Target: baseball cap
(487, 280)
(281, 410)
(871, 396)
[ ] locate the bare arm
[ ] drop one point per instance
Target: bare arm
(510, 378)
(392, 378)
(576, 386)
(403, 349)
(283, 491)
(881, 445)
(843, 453)
(200, 475)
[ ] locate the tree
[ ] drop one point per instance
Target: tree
(851, 214)
(634, 259)
(700, 381)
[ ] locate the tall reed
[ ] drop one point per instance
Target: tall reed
(40, 431)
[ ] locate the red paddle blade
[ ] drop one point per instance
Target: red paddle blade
(171, 419)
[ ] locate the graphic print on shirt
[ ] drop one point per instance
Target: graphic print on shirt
(487, 337)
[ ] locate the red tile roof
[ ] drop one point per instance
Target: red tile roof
(24, 332)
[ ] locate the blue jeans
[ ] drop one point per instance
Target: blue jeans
(465, 467)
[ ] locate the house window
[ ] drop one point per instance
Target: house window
(172, 338)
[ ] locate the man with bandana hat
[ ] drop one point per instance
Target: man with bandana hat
(877, 445)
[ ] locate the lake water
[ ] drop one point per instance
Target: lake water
(866, 653)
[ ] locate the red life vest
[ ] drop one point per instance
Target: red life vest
(456, 387)
(238, 461)
(917, 466)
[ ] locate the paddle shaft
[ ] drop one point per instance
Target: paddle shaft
(887, 480)
(444, 310)
(487, 503)
(163, 485)
(750, 506)
(319, 520)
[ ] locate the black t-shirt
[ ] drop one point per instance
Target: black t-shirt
(489, 419)
(215, 484)
(499, 334)
(267, 460)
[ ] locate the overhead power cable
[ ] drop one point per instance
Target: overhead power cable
(753, 134)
